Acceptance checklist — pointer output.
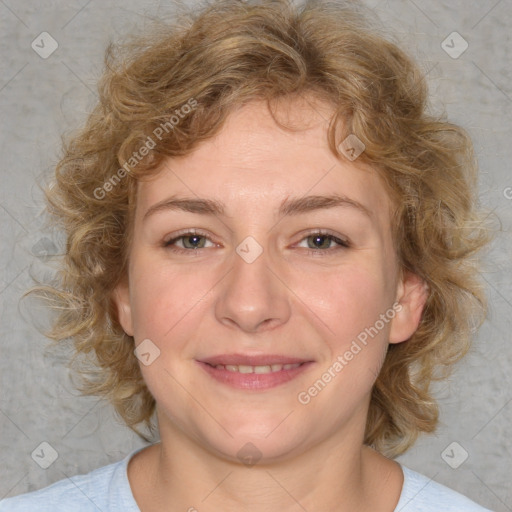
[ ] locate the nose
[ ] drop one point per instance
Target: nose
(253, 297)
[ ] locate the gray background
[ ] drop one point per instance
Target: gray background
(42, 98)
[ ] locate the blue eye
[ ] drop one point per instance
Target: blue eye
(317, 242)
(191, 240)
(319, 239)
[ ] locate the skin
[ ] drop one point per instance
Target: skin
(288, 301)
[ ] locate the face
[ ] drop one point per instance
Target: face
(251, 275)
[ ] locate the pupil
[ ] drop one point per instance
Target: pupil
(318, 240)
(195, 239)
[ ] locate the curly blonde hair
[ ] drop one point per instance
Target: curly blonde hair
(220, 57)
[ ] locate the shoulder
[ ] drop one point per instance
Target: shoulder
(104, 489)
(422, 494)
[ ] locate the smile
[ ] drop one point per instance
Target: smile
(257, 369)
(254, 377)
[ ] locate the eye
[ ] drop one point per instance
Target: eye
(190, 240)
(320, 242)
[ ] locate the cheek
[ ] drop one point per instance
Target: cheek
(352, 305)
(165, 298)
(167, 307)
(345, 301)
(349, 304)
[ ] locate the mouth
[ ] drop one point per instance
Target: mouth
(254, 372)
(260, 369)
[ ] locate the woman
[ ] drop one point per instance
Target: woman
(270, 247)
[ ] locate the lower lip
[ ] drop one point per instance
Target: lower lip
(256, 381)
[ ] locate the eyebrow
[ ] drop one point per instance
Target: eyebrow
(290, 206)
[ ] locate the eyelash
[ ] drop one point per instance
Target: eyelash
(342, 244)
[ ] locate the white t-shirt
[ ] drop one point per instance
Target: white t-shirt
(107, 489)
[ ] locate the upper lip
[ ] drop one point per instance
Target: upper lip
(252, 360)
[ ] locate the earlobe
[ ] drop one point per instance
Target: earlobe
(121, 299)
(412, 294)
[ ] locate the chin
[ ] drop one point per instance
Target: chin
(263, 445)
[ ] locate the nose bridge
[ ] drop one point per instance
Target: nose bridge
(252, 296)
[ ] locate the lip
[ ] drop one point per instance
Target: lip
(253, 381)
(252, 360)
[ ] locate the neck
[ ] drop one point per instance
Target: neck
(339, 474)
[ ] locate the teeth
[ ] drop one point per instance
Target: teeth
(262, 369)
(257, 369)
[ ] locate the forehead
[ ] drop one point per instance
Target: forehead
(253, 164)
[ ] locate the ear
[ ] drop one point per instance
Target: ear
(121, 299)
(412, 293)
